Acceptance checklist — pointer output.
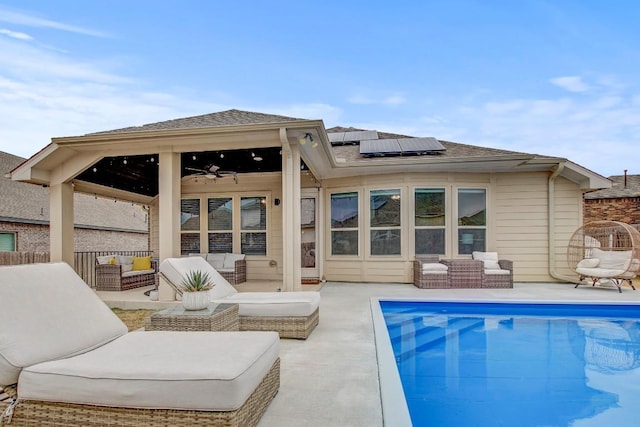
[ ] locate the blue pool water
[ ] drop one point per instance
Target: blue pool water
(516, 364)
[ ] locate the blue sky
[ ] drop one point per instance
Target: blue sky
(557, 78)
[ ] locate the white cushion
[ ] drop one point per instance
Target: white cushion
(104, 259)
(612, 260)
(137, 272)
(490, 264)
(274, 304)
(230, 260)
(216, 260)
(211, 371)
(434, 266)
(176, 269)
(482, 256)
(201, 255)
(125, 259)
(599, 272)
(588, 263)
(48, 312)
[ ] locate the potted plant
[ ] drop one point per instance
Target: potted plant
(195, 290)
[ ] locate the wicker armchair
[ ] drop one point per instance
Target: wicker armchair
(425, 277)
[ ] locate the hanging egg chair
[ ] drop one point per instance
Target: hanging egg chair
(605, 252)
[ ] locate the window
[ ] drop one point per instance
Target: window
(190, 226)
(472, 220)
(430, 221)
(7, 242)
(253, 225)
(220, 224)
(344, 224)
(385, 227)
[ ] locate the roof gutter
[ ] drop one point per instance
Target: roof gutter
(552, 225)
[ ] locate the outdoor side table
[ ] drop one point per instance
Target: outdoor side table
(216, 317)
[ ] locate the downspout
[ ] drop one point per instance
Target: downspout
(552, 225)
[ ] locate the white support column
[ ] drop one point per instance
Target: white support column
(168, 214)
(61, 223)
(291, 239)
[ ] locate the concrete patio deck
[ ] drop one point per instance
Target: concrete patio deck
(331, 379)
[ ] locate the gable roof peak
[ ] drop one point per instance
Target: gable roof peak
(231, 117)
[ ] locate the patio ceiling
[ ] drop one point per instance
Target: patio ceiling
(139, 173)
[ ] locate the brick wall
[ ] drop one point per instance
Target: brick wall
(624, 210)
(35, 238)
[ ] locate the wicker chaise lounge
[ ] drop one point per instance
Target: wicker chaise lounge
(66, 359)
(291, 314)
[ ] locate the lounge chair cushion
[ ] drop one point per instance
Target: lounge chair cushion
(34, 327)
(274, 304)
(175, 270)
(215, 371)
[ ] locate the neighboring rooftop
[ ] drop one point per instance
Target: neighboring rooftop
(619, 190)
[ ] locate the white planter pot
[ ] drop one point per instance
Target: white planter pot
(195, 300)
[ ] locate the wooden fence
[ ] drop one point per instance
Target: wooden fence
(84, 262)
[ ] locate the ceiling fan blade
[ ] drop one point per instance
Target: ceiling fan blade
(202, 171)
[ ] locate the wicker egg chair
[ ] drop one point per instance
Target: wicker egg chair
(605, 252)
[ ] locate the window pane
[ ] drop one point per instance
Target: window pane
(344, 210)
(220, 214)
(385, 242)
(385, 208)
(471, 239)
(189, 243)
(190, 214)
(344, 243)
(429, 206)
(220, 243)
(430, 241)
(472, 207)
(7, 242)
(253, 212)
(254, 243)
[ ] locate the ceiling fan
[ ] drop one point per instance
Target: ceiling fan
(210, 172)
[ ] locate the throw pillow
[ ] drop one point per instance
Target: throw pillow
(141, 263)
(589, 263)
(112, 261)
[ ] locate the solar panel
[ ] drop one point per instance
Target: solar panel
(379, 147)
(361, 135)
(420, 145)
(339, 138)
(336, 137)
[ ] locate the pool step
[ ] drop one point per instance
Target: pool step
(424, 336)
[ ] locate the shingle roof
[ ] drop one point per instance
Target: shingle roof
(22, 202)
(222, 118)
(351, 153)
(618, 190)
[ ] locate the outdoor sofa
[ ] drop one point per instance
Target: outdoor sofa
(66, 359)
(123, 272)
(291, 314)
(484, 270)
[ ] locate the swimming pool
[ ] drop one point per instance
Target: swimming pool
(504, 364)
